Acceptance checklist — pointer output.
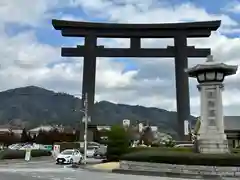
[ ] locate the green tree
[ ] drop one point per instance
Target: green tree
(42, 137)
(24, 136)
(118, 143)
(147, 136)
(197, 126)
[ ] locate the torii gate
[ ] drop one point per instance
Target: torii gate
(180, 51)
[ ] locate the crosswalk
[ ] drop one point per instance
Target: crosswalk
(39, 171)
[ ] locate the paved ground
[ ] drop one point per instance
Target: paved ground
(48, 170)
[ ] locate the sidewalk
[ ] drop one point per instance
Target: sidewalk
(103, 167)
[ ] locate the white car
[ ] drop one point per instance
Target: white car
(28, 146)
(15, 146)
(69, 156)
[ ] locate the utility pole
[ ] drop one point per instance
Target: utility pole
(85, 118)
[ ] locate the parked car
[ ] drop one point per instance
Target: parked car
(91, 151)
(15, 146)
(68, 156)
(93, 145)
(100, 152)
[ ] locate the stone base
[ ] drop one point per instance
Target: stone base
(211, 146)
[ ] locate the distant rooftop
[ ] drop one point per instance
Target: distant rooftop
(232, 123)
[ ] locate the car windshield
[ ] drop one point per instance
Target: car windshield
(67, 152)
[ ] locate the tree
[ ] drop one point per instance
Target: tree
(77, 135)
(9, 138)
(24, 136)
(197, 126)
(147, 136)
(41, 138)
(118, 143)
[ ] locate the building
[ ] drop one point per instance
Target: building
(48, 128)
(9, 128)
(232, 130)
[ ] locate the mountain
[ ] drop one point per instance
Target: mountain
(33, 106)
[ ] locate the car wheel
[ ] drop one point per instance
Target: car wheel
(57, 162)
(80, 161)
(71, 161)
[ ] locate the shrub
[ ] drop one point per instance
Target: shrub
(175, 149)
(118, 143)
(235, 150)
(171, 157)
(20, 154)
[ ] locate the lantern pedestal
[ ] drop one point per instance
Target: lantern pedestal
(212, 138)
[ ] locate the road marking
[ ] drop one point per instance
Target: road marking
(63, 170)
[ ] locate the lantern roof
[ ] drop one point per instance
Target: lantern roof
(212, 66)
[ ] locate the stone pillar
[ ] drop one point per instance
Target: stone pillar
(182, 85)
(89, 72)
(212, 138)
(89, 76)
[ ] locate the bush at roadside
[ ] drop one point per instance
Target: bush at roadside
(171, 157)
(118, 143)
(235, 150)
(172, 149)
(20, 154)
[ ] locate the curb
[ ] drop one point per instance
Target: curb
(156, 174)
(166, 174)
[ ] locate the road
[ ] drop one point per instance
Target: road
(48, 170)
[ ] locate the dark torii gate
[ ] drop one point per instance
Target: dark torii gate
(180, 51)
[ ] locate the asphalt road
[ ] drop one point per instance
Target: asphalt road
(48, 170)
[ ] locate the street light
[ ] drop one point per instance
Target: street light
(85, 119)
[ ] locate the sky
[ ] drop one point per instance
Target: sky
(30, 49)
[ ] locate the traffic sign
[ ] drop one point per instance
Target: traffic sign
(84, 118)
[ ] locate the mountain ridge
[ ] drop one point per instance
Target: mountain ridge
(36, 106)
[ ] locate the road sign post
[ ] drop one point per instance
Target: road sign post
(28, 155)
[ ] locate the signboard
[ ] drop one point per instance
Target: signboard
(84, 118)
(186, 127)
(126, 122)
(140, 127)
(28, 155)
(56, 150)
(48, 147)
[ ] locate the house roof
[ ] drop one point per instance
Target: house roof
(44, 128)
(232, 123)
(7, 126)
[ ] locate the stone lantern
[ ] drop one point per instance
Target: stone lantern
(210, 76)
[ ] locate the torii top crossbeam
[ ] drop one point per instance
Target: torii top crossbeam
(113, 30)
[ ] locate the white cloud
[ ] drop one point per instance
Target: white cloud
(25, 61)
(233, 6)
(26, 12)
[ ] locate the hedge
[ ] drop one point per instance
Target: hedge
(174, 149)
(20, 154)
(171, 157)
